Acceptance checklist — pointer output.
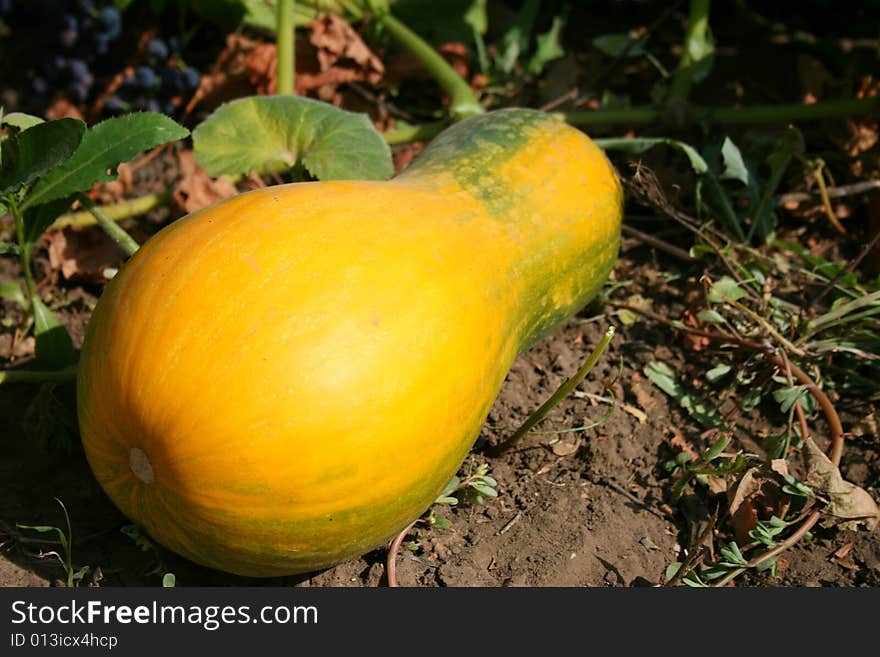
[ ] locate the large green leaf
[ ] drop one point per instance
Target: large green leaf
(269, 133)
(103, 149)
(30, 153)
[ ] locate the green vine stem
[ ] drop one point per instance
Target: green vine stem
(24, 250)
(561, 393)
(730, 115)
(463, 102)
(115, 212)
(697, 33)
(286, 47)
(125, 241)
(38, 376)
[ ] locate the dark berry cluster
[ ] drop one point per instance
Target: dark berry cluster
(83, 51)
(80, 35)
(158, 84)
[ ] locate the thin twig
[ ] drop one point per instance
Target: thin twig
(391, 559)
(833, 192)
(658, 244)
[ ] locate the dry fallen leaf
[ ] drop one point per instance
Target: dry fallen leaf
(756, 496)
(196, 189)
(83, 254)
(229, 76)
(341, 56)
(644, 398)
(847, 502)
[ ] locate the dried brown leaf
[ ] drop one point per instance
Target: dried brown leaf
(340, 46)
(847, 502)
(779, 466)
(644, 398)
(756, 496)
(196, 189)
(83, 254)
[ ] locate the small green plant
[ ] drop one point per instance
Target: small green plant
(44, 167)
(65, 556)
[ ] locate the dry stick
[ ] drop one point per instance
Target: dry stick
(563, 391)
(658, 244)
(391, 559)
(832, 192)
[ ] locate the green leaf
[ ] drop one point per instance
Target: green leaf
(476, 16)
(734, 166)
(615, 45)
(8, 248)
(21, 120)
(11, 290)
(641, 144)
(451, 487)
(710, 317)
(484, 489)
(103, 149)
(54, 347)
(791, 143)
(725, 288)
(717, 372)
(33, 152)
(700, 50)
(662, 376)
(547, 47)
(265, 133)
(516, 40)
(440, 522)
(786, 397)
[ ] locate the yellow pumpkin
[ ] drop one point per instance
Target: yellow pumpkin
(286, 379)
